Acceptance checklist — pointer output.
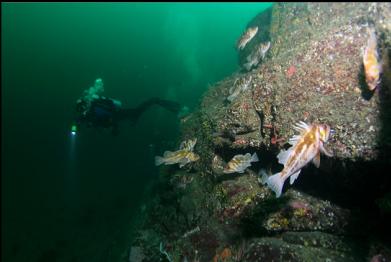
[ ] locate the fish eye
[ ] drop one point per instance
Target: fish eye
(332, 131)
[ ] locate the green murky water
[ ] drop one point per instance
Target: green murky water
(74, 199)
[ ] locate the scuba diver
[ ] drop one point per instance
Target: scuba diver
(97, 111)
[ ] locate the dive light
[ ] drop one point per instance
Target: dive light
(73, 130)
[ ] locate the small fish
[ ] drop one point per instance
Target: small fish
(181, 157)
(306, 147)
(264, 48)
(188, 144)
(240, 162)
(246, 37)
(372, 66)
(255, 57)
(240, 85)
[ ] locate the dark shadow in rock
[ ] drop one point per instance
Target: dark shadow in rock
(261, 116)
(384, 145)
(352, 185)
(384, 92)
(232, 176)
(252, 222)
(226, 102)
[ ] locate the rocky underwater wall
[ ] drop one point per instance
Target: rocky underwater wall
(312, 72)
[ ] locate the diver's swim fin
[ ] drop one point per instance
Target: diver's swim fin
(169, 105)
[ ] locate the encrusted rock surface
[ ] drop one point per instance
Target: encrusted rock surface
(313, 72)
(303, 246)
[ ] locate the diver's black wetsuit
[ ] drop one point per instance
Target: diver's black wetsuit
(104, 113)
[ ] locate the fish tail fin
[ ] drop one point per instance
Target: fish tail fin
(254, 158)
(263, 176)
(275, 183)
(231, 97)
(159, 160)
(248, 65)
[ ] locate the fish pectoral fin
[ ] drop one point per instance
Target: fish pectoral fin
(254, 158)
(241, 168)
(293, 140)
(325, 151)
(183, 162)
(302, 127)
(183, 145)
(284, 155)
(188, 145)
(228, 171)
(316, 160)
(293, 177)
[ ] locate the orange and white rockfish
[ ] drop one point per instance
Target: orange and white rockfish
(372, 65)
(305, 147)
(247, 36)
(182, 156)
(240, 162)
